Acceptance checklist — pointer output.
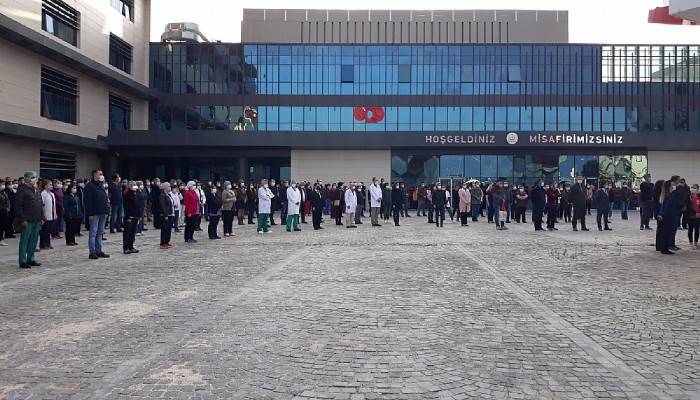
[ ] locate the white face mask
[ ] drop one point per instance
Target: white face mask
(134, 188)
(105, 186)
(14, 186)
(265, 186)
(101, 178)
(59, 186)
(213, 191)
(2, 187)
(74, 190)
(81, 185)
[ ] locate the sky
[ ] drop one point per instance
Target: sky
(590, 21)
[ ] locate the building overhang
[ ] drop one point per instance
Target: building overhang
(36, 42)
(565, 141)
(47, 135)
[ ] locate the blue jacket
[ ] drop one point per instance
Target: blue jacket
(671, 209)
(602, 200)
(115, 195)
(95, 199)
(71, 207)
(538, 197)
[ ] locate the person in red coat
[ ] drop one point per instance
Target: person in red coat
(191, 200)
(553, 196)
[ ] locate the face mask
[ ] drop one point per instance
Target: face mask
(272, 184)
(105, 186)
(141, 187)
(14, 186)
(59, 186)
(49, 188)
(134, 188)
(228, 186)
(694, 191)
(101, 178)
(266, 185)
(579, 181)
(541, 184)
(439, 187)
(81, 185)
(74, 190)
(213, 191)
(2, 187)
(546, 188)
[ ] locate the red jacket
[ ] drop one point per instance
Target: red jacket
(695, 205)
(191, 201)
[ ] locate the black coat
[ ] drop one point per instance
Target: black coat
(538, 197)
(131, 208)
(317, 199)
(396, 197)
(72, 207)
(95, 199)
(439, 199)
(577, 195)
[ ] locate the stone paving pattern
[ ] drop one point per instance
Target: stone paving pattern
(410, 312)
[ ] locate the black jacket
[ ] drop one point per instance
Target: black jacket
(28, 204)
(317, 199)
(166, 204)
(141, 199)
(214, 202)
(646, 192)
(131, 208)
(396, 197)
(439, 199)
(72, 208)
(577, 195)
(538, 197)
(95, 199)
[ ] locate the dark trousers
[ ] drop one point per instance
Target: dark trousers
(404, 209)
(602, 214)
(579, 215)
(190, 223)
(646, 209)
(338, 216)
(439, 216)
(166, 230)
(693, 230)
(45, 234)
(661, 243)
(129, 233)
(213, 225)
(316, 217)
(251, 214)
(464, 218)
(228, 216)
(272, 216)
(551, 217)
(566, 208)
(396, 212)
(431, 212)
(6, 229)
(72, 229)
(520, 214)
(537, 213)
(283, 213)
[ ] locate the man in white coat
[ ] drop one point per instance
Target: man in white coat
(264, 205)
(350, 206)
(293, 206)
(375, 201)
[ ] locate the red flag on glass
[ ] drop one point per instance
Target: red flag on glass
(660, 15)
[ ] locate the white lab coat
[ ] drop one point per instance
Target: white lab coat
(350, 201)
(293, 201)
(375, 195)
(264, 200)
(48, 201)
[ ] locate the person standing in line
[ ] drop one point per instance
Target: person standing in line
(131, 217)
(497, 195)
(420, 198)
(176, 197)
(359, 193)
(565, 202)
(429, 202)
(304, 204)
(10, 191)
(538, 196)
(477, 196)
(646, 203)
(338, 203)
(465, 201)
(590, 189)
(202, 196)
(49, 203)
(602, 204)
(241, 202)
(375, 201)
(5, 208)
(265, 197)
(283, 202)
(406, 200)
(192, 205)
(115, 201)
(694, 217)
(168, 201)
(386, 201)
(154, 195)
(214, 211)
(625, 195)
(72, 213)
(252, 202)
(317, 203)
(396, 202)
(439, 204)
(96, 208)
(669, 216)
(579, 199)
(141, 204)
(58, 225)
(508, 194)
(521, 199)
(275, 201)
(228, 203)
(350, 200)
(293, 206)
(553, 205)
(684, 197)
(29, 215)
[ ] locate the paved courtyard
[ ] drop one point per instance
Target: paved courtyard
(373, 313)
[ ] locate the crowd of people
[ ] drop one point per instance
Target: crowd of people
(46, 210)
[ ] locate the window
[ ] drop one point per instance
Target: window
(347, 74)
(56, 165)
(119, 113)
(60, 20)
(59, 96)
(467, 73)
(120, 53)
(514, 73)
(124, 7)
(404, 74)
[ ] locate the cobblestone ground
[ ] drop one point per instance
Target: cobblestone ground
(413, 312)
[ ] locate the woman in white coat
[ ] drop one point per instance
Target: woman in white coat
(264, 205)
(293, 206)
(350, 206)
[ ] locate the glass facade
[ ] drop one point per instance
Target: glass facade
(499, 87)
(518, 168)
